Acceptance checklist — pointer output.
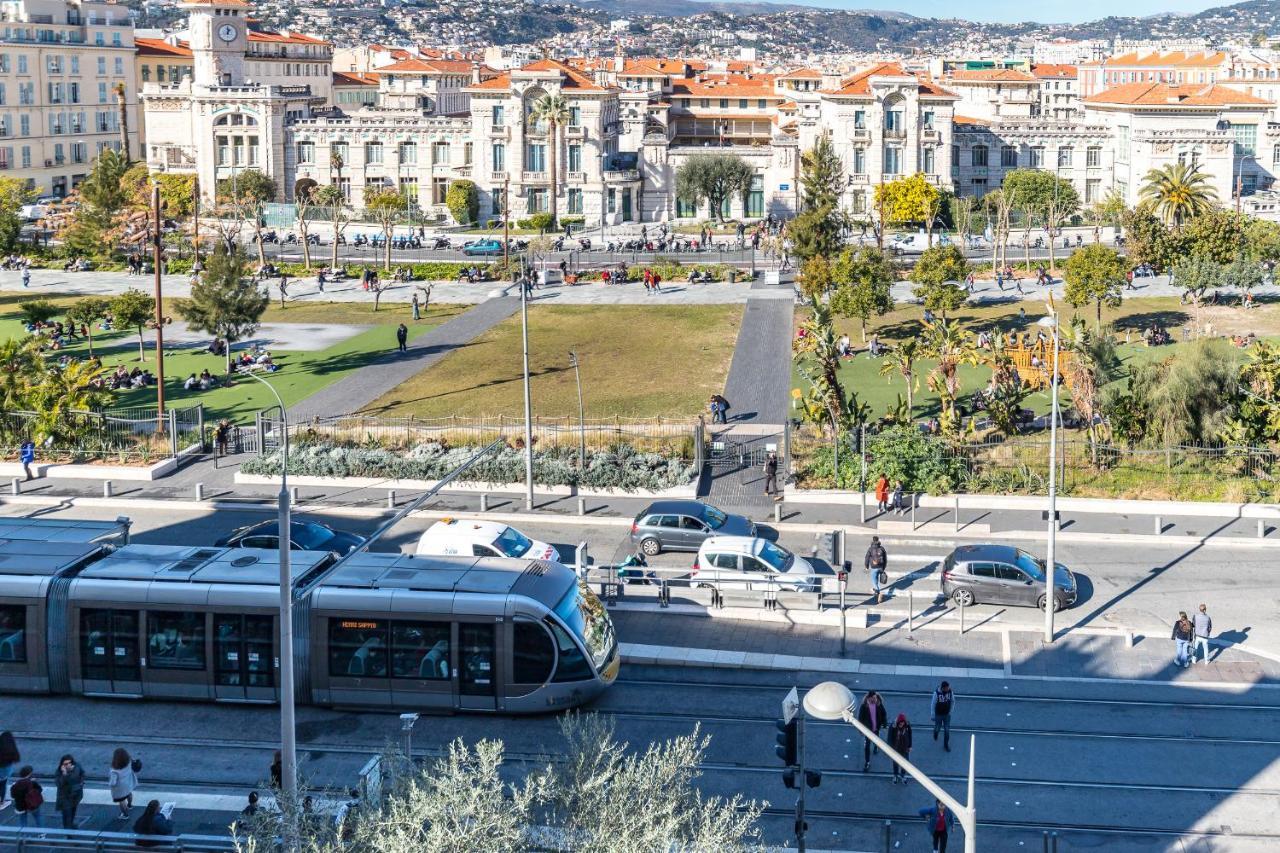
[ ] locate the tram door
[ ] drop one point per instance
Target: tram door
(109, 652)
(476, 666)
(244, 663)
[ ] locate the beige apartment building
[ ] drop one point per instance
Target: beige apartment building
(60, 64)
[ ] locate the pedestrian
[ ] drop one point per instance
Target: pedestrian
(26, 276)
(1203, 626)
(900, 742)
(27, 455)
(251, 809)
(1183, 633)
(28, 797)
(875, 563)
(896, 501)
(277, 770)
(9, 758)
(320, 280)
(1000, 280)
(882, 493)
(70, 784)
(939, 822)
(284, 288)
(940, 712)
(771, 474)
(714, 406)
(152, 822)
(417, 310)
(872, 714)
(402, 337)
(222, 436)
(122, 779)
(722, 405)
(657, 283)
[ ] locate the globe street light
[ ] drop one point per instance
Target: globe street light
(832, 701)
(1051, 567)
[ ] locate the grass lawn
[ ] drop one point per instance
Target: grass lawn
(637, 361)
(301, 373)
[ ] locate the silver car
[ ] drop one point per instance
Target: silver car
(682, 525)
(1002, 574)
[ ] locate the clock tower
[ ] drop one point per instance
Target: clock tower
(219, 35)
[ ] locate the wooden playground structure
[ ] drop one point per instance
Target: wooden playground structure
(1034, 360)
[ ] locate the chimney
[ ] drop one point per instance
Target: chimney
(618, 60)
(475, 73)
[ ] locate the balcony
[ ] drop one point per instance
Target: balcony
(499, 131)
(576, 177)
(534, 177)
(895, 133)
(575, 131)
(859, 179)
(497, 177)
(621, 176)
(861, 133)
(930, 134)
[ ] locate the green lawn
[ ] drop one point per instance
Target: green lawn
(637, 361)
(301, 374)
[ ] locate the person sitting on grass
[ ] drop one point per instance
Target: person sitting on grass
(190, 382)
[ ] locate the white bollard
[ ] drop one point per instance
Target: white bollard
(16, 486)
(391, 499)
(106, 488)
(1262, 523)
(777, 512)
(1159, 525)
(582, 506)
(484, 501)
(199, 491)
(293, 495)
(957, 499)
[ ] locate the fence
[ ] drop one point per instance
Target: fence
(131, 433)
(677, 437)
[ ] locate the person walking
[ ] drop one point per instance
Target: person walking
(27, 455)
(872, 714)
(939, 822)
(402, 338)
(9, 758)
(896, 502)
(70, 785)
(1183, 633)
(882, 493)
(222, 436)
(722, 407)
(771, 474)
(320, 280)
(26, 276)
(122, 779)
(875, 563)
(417, 310)
(28, 797)
(1203, 626)
(940, 712)
(900, 742)
(284, 288)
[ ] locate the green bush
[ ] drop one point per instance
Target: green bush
(463, 201)
(179, 266)
(536, 222)
(572, 220)
(922, 463)
(674, 271)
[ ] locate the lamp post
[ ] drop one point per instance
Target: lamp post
(528, 403)
(582, 417)
(288, 745)
(157, 260)
(831, 700)
(1050, 599)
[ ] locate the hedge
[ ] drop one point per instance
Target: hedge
(674, 272)
(463, 201)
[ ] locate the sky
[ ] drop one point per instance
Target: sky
(1012, 11)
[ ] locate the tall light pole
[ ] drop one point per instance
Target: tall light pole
(582, 415)
(157, 258)
(288, 743)
(528, 403)
(1051, 569)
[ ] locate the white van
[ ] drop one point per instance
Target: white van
(452, 537)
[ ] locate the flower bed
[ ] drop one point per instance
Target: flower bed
(621, 466)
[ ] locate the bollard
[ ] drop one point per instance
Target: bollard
(911, 611)
(106, 488)
(484, 501)
(1159, 525)
(391, 499)
(293, 495)
(957, 499)
(16, 486)
(777, 512)
(913, 511)
(199, 491)
(1262, 524)
(1128, 639)
(888, 836)
(582, 506)
(962, 609)
(1045, 837)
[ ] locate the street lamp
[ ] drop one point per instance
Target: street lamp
(582, 417)
(288, 745)
(528, 403)
(1050, 600)
(832, 701)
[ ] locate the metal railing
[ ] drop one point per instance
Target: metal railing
(35, 838)
(131, 432)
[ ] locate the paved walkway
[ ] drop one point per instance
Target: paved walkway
(354, 392)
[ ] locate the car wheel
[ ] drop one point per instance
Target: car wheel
(963, 598)
(650, 547)
(1057, 605)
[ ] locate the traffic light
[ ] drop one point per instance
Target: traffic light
(802, 826)
(788, 741)
(813, 778)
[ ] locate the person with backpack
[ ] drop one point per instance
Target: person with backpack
(900, 742)
(122, 779)
(9, 758)
(152, 822)
(70, 785)
(1183, 634)
(876, 561)
(771, 474)
(939, 821)
(873, 715)
(940, 712)
(28, 797)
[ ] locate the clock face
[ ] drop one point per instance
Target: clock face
(226, 32)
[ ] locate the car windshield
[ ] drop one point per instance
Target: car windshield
(587, 620)
(312, 537)
(1032, 566)
(714, 517)
(512, 542)
(776, 556)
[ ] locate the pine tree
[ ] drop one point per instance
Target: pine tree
(822, 180)
(225, 302)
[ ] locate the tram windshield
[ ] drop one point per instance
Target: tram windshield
(585, 616)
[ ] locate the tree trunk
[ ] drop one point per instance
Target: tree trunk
(336, 232)
(1026, 246)
(228, 355)
(864, 330)
(555, 149)
(1051, 239)
(377, 295)
(911, 407)
(89, 327)
(306, 248)
(262, 252)
(1098, 323)
(124, 122)
(142, 352)
(387, 231)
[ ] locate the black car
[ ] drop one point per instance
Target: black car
(304, 536)
(682, 525)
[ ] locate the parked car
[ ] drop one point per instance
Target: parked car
(683, 525)
(749, 562)
(483, 247)
(1003, 574)
(303, 536)
(463, 536)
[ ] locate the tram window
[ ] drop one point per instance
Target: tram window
(175, 640)
(242, 649)
(532, 655)
(357, 648)
(95, 639)
(13, 631)
(259, 638)
(420, 650)
(573, 664)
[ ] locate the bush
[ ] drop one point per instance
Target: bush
(674, 271)
(921, 462)
(620, 467)
(572, 220)
(536, 222)
(463, 201)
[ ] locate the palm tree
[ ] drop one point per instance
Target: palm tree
(952, 347)
(1177, 192)
(77, 387)
(553, 110)
(21, 369)
(902, 360)
(817, 354)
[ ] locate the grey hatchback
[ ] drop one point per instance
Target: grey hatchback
(1002, 574)
(678, 525)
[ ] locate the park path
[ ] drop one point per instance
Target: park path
(359, 389)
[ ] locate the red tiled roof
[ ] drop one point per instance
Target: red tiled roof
(1177, 58)
(1166, 95)
(355, 78)
(281, 38)
(992, 75)
(430, 66)
(160, 47)
(802, 74)
(238, 3)
(570, 78)
(1049, 69)
(720, 85)
(966, 120)
(860, 84)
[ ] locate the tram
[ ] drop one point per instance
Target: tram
(384, 631)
